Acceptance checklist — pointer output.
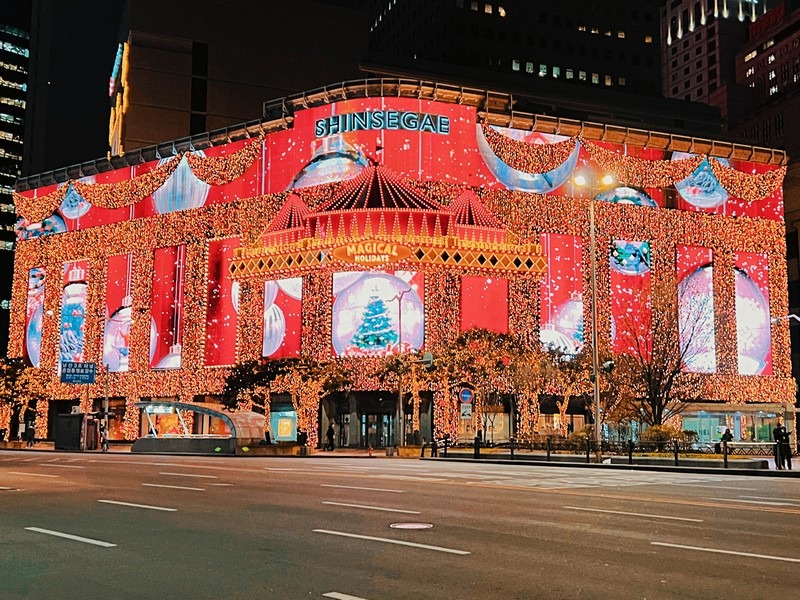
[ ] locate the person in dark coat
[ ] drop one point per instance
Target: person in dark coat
(30, 434)
(777, 437)
(786, 448)
(329, 435)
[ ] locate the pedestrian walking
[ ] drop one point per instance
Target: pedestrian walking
(777, 437)
(330, 435)
(30, 434)
(786, 447)
(103, 437)
(21, 431)
(727, 436)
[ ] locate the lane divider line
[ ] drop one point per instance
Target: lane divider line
(719, 551)
(191, 475)
(62, 466)
(340, 596)
(174, 487)
(69, 536)
(775, 502)
(32, 474)
(391, 541)
(131, 504)
(633, 514)
(352, 487)
(394, 510)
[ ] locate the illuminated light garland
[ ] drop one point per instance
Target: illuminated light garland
(639, 172)
(5, 419)
(525, 214)
(219, 170)
(127, 192)
(747, 186)
(40, 207)
(130, 422)
(528, 158)
(42, 409)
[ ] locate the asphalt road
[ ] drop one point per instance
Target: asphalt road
(322, 527)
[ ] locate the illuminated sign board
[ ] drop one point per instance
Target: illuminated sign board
(77, 372)
(382, 119)
(371, 252)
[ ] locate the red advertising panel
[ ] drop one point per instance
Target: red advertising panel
(222, 304)
(283, 317)
(119, 296)
(752, 314)
(561, 303)
(695, 267)
(484, 303)
(630, 298)
(166, 307)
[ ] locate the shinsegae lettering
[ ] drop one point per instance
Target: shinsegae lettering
(382, 119)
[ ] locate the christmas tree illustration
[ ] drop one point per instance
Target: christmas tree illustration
(375, 331)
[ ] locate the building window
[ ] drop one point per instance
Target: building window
(569, 74)
(473, 6)
(773, 90)
(595, 78)
(779, 124)
(542, 70)
(621, 80)
(529, 67)
(582, 75)
(771, 59)
(556, 72)
(747, 57)
(772, 75)
(487, 8)
(6, 245)
(515, 65)
(501, 11)
(750, 72)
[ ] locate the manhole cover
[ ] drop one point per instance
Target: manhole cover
(411, 525)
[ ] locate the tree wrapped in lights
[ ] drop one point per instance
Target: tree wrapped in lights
(651, 375)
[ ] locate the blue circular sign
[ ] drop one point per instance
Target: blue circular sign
(466, 395)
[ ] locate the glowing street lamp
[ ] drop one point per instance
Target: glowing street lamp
(595, 185)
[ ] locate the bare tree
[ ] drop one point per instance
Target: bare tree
(674, 336)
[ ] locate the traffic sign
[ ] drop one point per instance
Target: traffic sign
(81, 373)
(466, 411)
(466, 395)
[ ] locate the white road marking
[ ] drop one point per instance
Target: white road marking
(31, 474)
(761, 502)
(718, 551)
(409, 478)
(8, 489)
(279, 469)
(191, 475)
(340, 596)
(352, 487)
(222, 484)
(69, 536)
(390, 541)
(174, 487)
(772, 498)
(633, 514)
(164, 508)
(716, 487)
(63, 466)
(395, 510)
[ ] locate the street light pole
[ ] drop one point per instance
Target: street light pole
(582, 181)
(595, 354)
(400, 415)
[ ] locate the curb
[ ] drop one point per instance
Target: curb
(654, 468)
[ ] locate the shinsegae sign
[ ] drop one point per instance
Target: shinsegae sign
(371, 252)
(382, 119)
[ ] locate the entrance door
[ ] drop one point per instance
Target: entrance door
(377, 431)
